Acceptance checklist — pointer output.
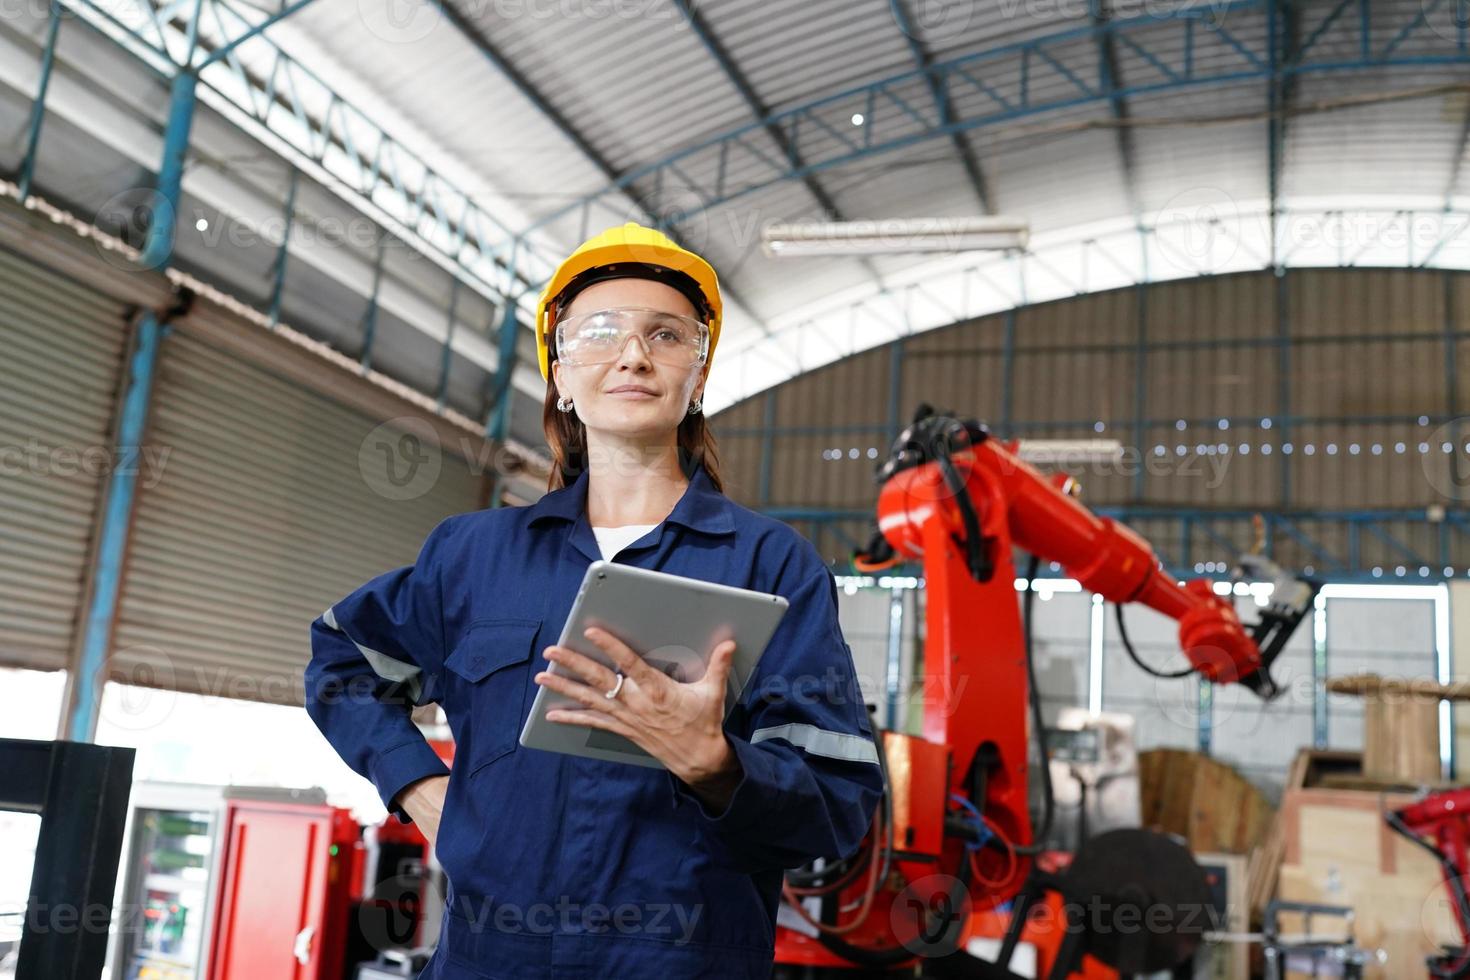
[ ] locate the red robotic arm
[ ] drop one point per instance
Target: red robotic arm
(1016, 505)
(961, 502)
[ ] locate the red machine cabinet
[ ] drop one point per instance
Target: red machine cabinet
(283, 894)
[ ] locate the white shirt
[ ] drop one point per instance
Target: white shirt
(614, 539)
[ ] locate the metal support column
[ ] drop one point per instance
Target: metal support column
(84, 685)
(1319, 673)
(1206, 716)
(81, 794)
(1283, 383)
(894, 667)
(159, 246)
(370, 315)
(1140, 385)
(895, 389)
(38, 108)
(498, 424)
(1008, 374)
(278, 268)
(447, 353)
(768, 444)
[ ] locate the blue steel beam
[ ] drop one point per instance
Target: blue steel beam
(1283, 40)
(225, 50)
(441, 395)
(370, 315)
(787, 146)
(472, 33)
(84, 688)
(498, 424)
(1016, 81)
(942, 105)
(1283, 527)
(293, 105)
(278, 268)
(158, 246)
(1108, 80)
(1085, 426)
(38, 107)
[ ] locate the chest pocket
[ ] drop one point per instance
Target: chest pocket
(491, 662)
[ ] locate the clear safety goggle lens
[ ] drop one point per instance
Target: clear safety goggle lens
(598, 337)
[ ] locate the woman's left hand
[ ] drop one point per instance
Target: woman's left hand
(679, 724)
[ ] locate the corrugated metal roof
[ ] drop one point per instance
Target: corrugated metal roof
(636, 82)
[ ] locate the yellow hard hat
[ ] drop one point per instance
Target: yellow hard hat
(629, 250)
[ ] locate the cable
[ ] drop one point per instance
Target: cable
(1453, 969)
(847, 870)
(987, 834)
(1133, 654)
(1049, 803)
(867, 956)
(1002, 884)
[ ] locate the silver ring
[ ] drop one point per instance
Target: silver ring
(616, 688)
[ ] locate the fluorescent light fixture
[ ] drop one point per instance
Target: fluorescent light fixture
(894, 236)
(1075, 451)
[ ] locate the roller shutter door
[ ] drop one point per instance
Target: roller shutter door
(267, 511)
(61, 349)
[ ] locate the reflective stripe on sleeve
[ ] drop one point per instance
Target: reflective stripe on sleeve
(384, 666)
(819, 741)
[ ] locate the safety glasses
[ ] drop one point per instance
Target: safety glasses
(598, 336)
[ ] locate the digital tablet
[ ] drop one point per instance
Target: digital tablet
(674, 622)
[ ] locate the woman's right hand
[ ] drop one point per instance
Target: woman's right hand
(423, 801)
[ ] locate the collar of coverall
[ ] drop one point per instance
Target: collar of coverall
(702, 508)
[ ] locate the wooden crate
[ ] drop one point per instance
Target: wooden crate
(1339, 851)
(1309, 768)
(1207, 803)
(1400, 724)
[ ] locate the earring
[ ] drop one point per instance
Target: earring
(564, 403)
(696, 406)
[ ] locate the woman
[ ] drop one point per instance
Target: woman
(561, 866)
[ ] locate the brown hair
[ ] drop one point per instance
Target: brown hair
(567, 437)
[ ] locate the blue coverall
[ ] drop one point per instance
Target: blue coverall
(566, 867)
